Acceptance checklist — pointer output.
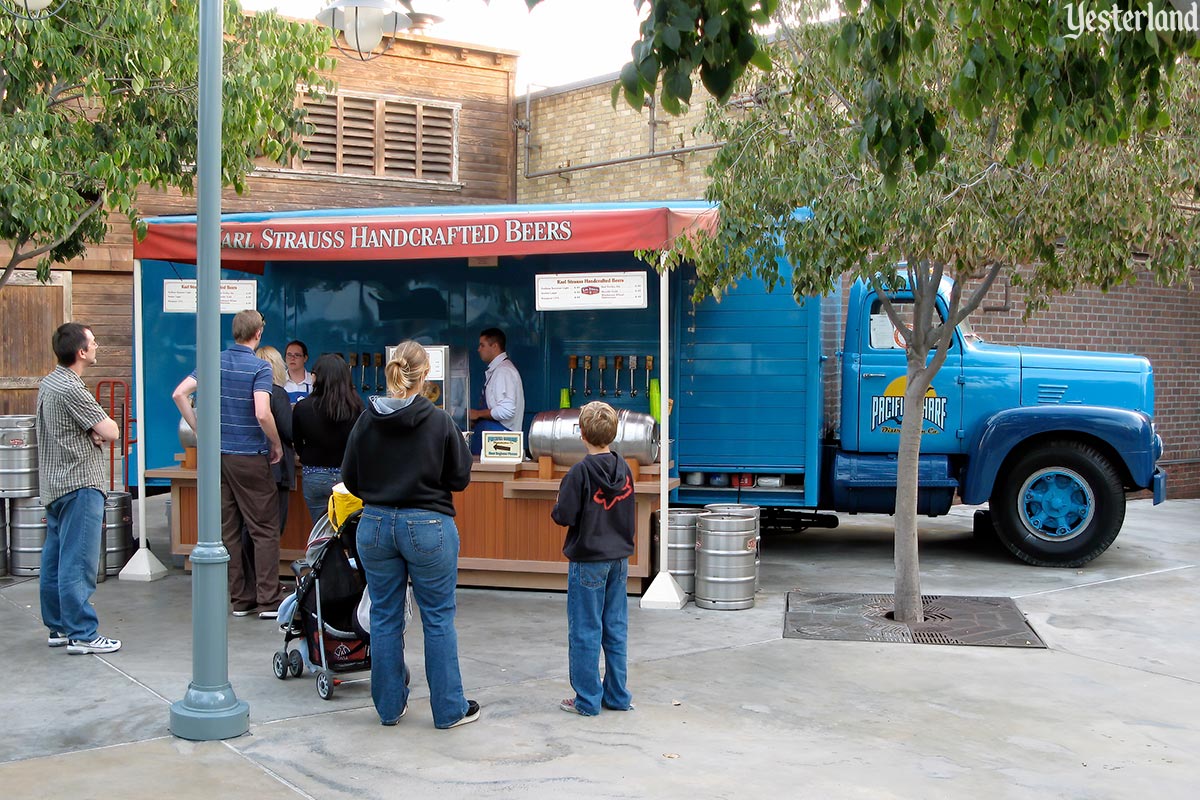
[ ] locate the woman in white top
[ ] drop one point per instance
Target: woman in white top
(299, 381)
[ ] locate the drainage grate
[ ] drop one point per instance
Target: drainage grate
(842, 616)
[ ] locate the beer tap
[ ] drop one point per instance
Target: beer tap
(353, 361)
(587, 367)
(632, 376)
(649, 366)
(573, 364)
(379, 387)
(362, 365)
(603, 367)
(618, 362)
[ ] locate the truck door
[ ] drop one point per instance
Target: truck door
(882, 379)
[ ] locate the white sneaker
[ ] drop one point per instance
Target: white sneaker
(101, 644)
(56, 639)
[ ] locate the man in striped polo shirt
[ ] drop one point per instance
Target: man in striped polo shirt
(249, 445)
(72, 428)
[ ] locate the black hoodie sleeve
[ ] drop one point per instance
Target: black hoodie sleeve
(456, 467)
(350, 459)
(567, 509)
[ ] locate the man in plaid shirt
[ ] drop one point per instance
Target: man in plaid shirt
(72, 429)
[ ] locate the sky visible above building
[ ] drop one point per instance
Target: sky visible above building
(559, 41)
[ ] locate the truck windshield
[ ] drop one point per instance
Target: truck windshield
(967, 332)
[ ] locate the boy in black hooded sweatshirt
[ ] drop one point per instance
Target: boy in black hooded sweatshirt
(596, 503)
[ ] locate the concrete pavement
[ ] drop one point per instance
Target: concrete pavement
(726, 708)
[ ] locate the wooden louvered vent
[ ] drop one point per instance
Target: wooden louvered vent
(382, 137)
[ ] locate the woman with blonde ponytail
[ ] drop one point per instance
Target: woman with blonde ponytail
(405, 458)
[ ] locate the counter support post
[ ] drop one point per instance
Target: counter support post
(664, 592)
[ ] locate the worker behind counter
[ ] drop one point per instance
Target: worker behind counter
(503, 393)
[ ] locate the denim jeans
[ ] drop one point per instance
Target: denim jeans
(317, 488)
(70, 558)
(396, 544)
(598, 618)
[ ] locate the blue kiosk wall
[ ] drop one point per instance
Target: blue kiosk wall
(359, 307)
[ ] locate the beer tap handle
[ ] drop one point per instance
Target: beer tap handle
(379, 387)
(649, 368)
(633, 376)
(362, 365)
(618, 363)
(603, 366)
(587, 368)
(572, 364)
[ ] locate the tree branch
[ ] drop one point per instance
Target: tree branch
(46, 248)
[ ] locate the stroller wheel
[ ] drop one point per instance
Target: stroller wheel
(296, 663)
(324, 686)
(279, 663)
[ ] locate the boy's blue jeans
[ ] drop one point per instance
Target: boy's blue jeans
(598, 618)
(70, 557)
(395, 544)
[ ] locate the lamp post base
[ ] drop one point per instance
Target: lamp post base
(207, 715)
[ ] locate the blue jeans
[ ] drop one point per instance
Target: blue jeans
(396, 544)
(317, 488)
(70, 558)
(598, 617)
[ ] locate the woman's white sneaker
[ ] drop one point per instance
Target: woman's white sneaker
(101, 644)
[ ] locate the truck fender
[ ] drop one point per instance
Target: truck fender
(1130, 434)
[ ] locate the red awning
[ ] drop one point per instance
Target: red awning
(475, 232)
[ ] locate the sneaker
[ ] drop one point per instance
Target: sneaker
(568, 705)
(101, 644)
(618, 708)
(244, 610)
(269, 612)
(471, 715)
(402, 713)
(57, 639)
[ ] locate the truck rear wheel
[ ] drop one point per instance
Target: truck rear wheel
(1060, 505)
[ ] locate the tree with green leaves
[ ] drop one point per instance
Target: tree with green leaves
(960, 140)
(100, 101)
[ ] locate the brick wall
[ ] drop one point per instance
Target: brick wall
(577, 125)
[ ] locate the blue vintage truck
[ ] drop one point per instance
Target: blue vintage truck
(797, 407)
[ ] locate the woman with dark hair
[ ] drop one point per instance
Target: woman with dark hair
(405, 459)
(321, 424)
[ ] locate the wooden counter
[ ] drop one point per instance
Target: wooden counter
(292, 544)
(506, 534)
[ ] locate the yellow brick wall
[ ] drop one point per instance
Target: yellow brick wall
(577, 126)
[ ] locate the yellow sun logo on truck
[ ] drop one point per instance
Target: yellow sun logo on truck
(887, 409)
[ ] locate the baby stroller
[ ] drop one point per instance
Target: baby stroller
(325, 616)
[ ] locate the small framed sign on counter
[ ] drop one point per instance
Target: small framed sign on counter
(500, 447)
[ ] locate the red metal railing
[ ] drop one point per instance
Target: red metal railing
(119, 403)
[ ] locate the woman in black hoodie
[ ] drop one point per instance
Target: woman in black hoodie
(405, 458)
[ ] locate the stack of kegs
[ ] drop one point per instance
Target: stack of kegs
(18, 486)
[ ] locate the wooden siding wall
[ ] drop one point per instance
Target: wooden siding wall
(480, 79)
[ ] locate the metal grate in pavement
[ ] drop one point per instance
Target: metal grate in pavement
(844, 616)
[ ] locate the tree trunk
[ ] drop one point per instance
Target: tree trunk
(908, 608)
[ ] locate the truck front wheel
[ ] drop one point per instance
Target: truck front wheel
(1059, 506)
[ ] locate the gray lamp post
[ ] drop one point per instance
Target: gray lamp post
(210, 710)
